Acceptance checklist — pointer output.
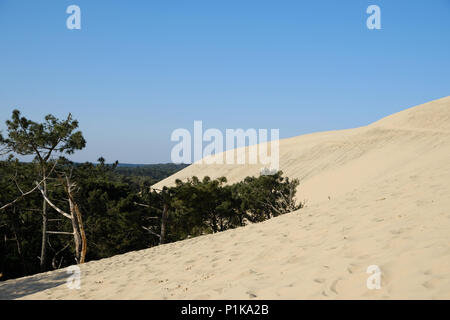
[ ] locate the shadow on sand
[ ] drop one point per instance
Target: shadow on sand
(17, 288)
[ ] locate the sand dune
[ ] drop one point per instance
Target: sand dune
(376, 195)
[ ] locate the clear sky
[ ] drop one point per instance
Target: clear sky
(137, 70)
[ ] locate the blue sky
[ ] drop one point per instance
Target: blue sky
(137, 70)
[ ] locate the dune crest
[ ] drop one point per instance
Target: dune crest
(434, 116)
(335, 162)
(376, 195)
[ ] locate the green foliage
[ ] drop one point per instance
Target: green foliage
(26, 137)
(19, 225)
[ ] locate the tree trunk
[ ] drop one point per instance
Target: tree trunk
(164, 217)
(76, 231)
(214, 223)
(43, 257)
(80, 233)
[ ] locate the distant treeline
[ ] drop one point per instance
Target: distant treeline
(149, 172)
(55, 213)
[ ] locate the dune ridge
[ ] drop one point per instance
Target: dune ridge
(376, 195)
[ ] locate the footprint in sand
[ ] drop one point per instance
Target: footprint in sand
(334, 285)
(432, 283)
(352, 268)
(319, 280)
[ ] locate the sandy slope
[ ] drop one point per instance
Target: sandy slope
(377, 195)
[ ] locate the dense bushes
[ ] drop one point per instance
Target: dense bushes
(203, 206)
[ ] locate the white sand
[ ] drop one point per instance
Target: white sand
(376, 195)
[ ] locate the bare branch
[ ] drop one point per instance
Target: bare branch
(60, 232)
(152, 232)
(147, 206)
(271, 205)
(24, 194)
(52, 205)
